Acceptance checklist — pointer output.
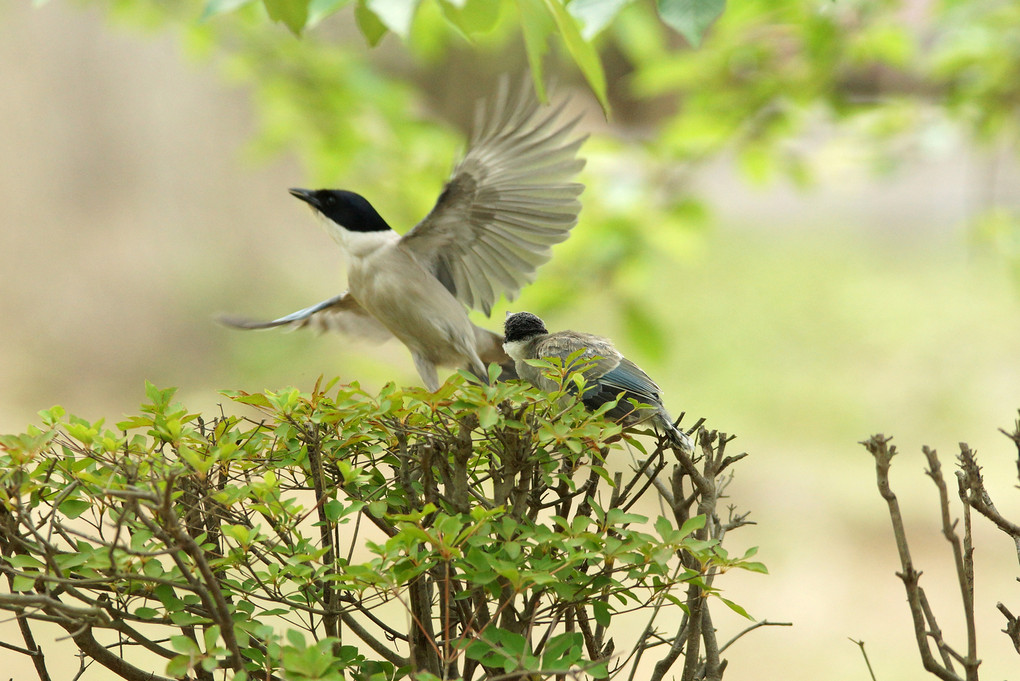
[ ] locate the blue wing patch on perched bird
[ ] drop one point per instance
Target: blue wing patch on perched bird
(626, 381)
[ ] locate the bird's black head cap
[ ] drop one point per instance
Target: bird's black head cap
(347, 209)
(522, 326)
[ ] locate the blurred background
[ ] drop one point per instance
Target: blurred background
(806, 231)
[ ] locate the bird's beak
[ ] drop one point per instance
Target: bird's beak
(306, 195)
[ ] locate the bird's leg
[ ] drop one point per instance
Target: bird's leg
(427, 371)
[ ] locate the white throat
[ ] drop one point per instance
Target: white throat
(516, 350)
(357, 244)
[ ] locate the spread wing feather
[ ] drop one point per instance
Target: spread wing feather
(340, 313)
(508, 201)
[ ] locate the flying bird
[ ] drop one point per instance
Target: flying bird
(609, 374)
(508, 201)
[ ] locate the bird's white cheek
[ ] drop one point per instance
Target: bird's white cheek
(335, 231)
(515, 349)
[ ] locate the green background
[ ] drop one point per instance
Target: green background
(802, 278)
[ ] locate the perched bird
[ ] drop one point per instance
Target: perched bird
(507, 202)
(608, 376)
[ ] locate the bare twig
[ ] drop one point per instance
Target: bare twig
(871, 672)
(963, 555)
(330, 600)
(973, 493)
(748, 630)
(879, 447)
(1012, 625)
(713, 665)
(87, 643)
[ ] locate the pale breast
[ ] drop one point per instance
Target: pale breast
(413, 305)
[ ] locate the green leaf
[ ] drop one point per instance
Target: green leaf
(215, 7)
(239, 533)
(178, 667)
(472, 17)
(184, 644)
(296, 639)
(396, 15)
(561, 650)
(736, 608)
(369, 24)
(616, 516)
(488, 416)
(333, 509)
(478, 649)
(536, 25)
(595, 15)
(22, 560)
(53, 415)
(512, 642)
(153, 568)
(584, 53)
(600, 670)
(293, 13)
(159, 398)
(691, 525)
(254, 400)
(664, 527)
(602, 613)
(210, 636)
(72, 508)
(699, 545)
(317, 11)
(70, 561)
(691, 18)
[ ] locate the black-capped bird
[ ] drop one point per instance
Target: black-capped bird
(507, 202)
(608, 375)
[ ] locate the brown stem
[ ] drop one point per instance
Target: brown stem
(963, 555)
(878, 446)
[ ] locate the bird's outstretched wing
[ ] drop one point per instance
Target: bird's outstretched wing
(340, 313)
(508, 201)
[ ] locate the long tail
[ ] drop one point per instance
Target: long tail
(677, 437)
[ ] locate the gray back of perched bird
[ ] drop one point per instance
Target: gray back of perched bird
(608, 374)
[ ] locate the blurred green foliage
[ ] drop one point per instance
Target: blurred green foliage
(575, 24)
(384, 121)
(796, 334)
